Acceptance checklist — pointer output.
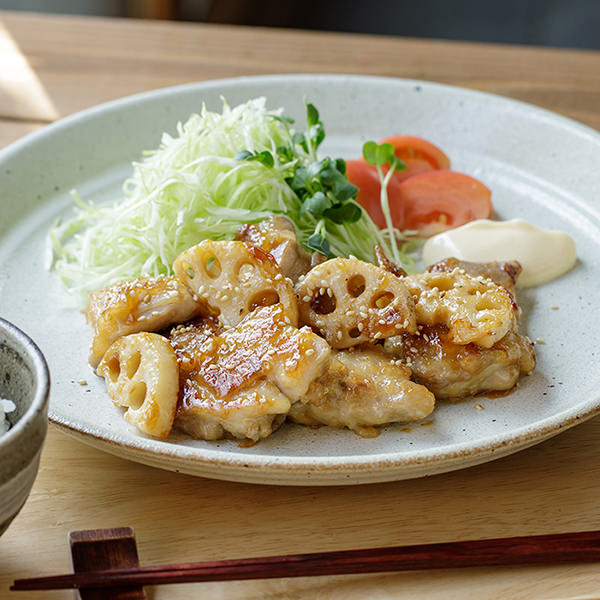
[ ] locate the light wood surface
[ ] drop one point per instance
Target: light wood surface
(53, 66)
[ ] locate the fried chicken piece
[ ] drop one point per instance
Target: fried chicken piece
(361, 389)
(143, 304)
(474, 309)
(501, 273)
(243, 381)
(277, 236)
(456, 371)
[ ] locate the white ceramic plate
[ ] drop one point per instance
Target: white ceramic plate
(540, 166)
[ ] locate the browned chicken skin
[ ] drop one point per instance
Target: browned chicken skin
(455, 371)
(278, 237)
(243, 380)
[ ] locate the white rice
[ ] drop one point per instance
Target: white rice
(6, 406)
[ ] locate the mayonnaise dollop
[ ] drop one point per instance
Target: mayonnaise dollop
(543, 254)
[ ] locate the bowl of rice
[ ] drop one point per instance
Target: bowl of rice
(24, 391)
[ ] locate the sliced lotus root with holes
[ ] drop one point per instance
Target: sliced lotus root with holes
(233, 279)
(350, 302)
(474, 309)
(142, 374)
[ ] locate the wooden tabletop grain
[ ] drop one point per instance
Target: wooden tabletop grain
(53, 66)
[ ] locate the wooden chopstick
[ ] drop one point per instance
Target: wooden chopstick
(526, 550)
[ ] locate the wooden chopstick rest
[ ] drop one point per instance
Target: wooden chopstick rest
(105, 549)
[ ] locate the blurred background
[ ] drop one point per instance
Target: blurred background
(572, 23)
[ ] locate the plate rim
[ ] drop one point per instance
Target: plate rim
(131, 99)
(387, 462)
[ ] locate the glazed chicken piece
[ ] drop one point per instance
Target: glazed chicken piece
(456, 371)
(144, 304)
(361, 389)
(277, 236)
(467, 341)
(243, 381)
(501, 273)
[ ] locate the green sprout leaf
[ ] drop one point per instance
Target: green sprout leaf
(244, 155)
(264, 157)
(318, 243)
(316, 133)
(286, 153)
(312, 114)
(281, 118)
(343, 213)
(316, 205)
(379, 155)
(341, 188)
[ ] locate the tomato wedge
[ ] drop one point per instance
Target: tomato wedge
(365, 177)
(419, 155)
(428, 203)
(441, 200)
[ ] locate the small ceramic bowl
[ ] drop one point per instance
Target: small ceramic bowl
(24, 379)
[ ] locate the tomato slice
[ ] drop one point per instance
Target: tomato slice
(441, 200)
(366, 178)
(419, 155)
(429, 203)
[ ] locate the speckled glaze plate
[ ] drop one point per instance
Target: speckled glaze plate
(540, 166)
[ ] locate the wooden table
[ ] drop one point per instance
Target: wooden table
(53, 66)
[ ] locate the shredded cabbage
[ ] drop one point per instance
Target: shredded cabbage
(192, 188)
